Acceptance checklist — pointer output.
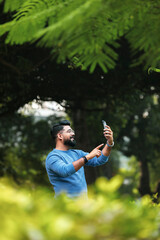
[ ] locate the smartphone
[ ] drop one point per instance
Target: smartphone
(104, 124)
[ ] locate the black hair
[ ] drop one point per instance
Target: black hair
(57, 127)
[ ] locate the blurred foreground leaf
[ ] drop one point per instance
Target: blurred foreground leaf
(37, 215)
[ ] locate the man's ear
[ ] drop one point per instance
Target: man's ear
(59, 136)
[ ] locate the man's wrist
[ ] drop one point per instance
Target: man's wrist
(110, 144)
(85, 159)
(88, 157)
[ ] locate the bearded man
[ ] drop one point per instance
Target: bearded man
(65, 166)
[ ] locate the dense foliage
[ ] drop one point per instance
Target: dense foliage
(35, 214)
(24, 143)
(86, 32)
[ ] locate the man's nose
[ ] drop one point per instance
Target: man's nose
(73, 133)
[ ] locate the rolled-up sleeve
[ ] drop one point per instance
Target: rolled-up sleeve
(57, 165)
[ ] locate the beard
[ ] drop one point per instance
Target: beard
(70, 142)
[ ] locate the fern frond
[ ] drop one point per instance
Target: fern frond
(12, 5)
(81, 38)
(87, 29)
(145, 35)
(24, 30)
(86, 39)
(31, 7)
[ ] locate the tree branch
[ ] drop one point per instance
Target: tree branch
(37, 64)
(15, 69)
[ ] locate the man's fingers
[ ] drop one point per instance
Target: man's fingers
(107, 130)
(100, 146)
(98, 153)
(107, 127)
(107, 135)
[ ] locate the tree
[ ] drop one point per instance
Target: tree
(142, 134)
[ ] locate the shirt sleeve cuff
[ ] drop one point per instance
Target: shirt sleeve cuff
(104, 158)
(71, 169)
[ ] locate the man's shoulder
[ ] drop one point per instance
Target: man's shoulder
(53, 156)
(51, 153)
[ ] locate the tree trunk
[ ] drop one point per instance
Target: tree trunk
(144, 187)
(82, 137)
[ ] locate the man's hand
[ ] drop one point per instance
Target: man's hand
(95, 152)
(80, 162)
(108, 134)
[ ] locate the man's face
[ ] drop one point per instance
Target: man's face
(68, 136)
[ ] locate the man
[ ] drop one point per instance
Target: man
(65, 166)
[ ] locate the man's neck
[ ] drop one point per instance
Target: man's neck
(62, 147)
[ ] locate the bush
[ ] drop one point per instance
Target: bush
(36, 215)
